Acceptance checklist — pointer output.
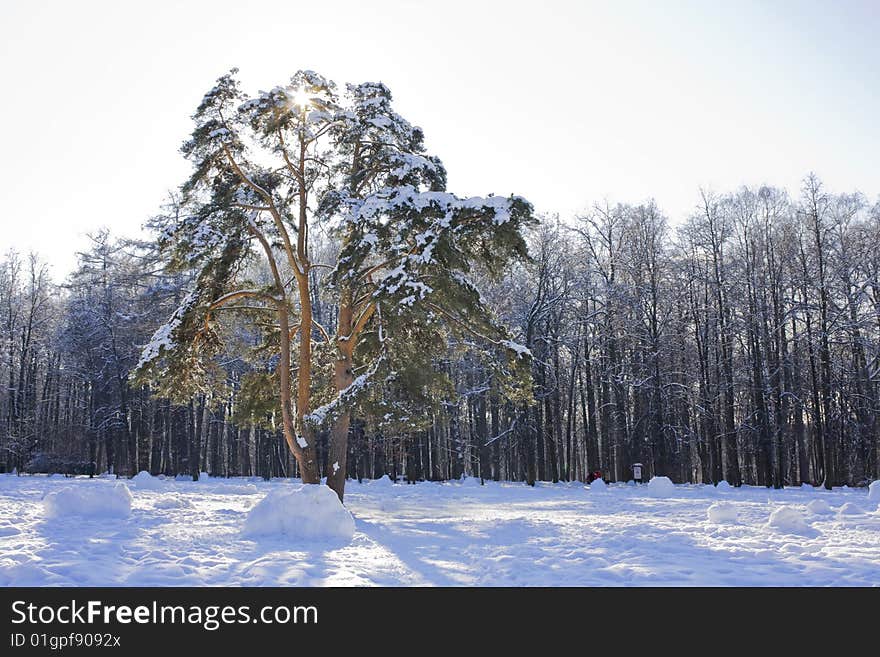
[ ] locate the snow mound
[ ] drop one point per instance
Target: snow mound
(819, 507)
(723, 485)
(849, 509)
(310, 512)
(597, 485)
(172, 501)
(233, 489)
(382, 482)
(103, 501)
(874, 491)
(722, 512)
(661, 487)
(143, 480)
(789, 520)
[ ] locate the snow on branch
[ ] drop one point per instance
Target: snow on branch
(521, 350)
(163, 338)
(345, 397)
(407, 197)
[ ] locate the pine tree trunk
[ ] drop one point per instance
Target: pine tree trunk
(481, 427)
(343, 377)
(496, 443)
(338, 454)
(305, 455)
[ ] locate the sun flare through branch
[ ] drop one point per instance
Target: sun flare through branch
(300, 98)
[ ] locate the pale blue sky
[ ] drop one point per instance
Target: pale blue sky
(562, 102)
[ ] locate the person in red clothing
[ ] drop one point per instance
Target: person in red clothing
(593, 476)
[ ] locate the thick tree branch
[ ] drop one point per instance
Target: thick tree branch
(273, 210)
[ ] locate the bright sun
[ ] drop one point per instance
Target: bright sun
(301, 98)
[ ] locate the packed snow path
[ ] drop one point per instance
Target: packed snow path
(450, 534)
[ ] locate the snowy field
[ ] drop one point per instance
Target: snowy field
(58, 531)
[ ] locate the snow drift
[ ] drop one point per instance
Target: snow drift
(230, 489)
(722, 512)
(173, 501)
(99, 501)
(382, 482)
(789, 520)
(661, 487)
(874, 491)
(849, 509)
(143, 480)
(819, 507)
(597, 485)
(305, 513)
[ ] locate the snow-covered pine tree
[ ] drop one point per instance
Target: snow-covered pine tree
(400, 280)
(407, 246)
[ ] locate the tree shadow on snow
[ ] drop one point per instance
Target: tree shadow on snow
(441, 555)
(284, 561)
(86, 551)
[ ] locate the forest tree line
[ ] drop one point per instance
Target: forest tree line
(740, 344)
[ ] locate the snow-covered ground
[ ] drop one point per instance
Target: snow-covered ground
(458, 533)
